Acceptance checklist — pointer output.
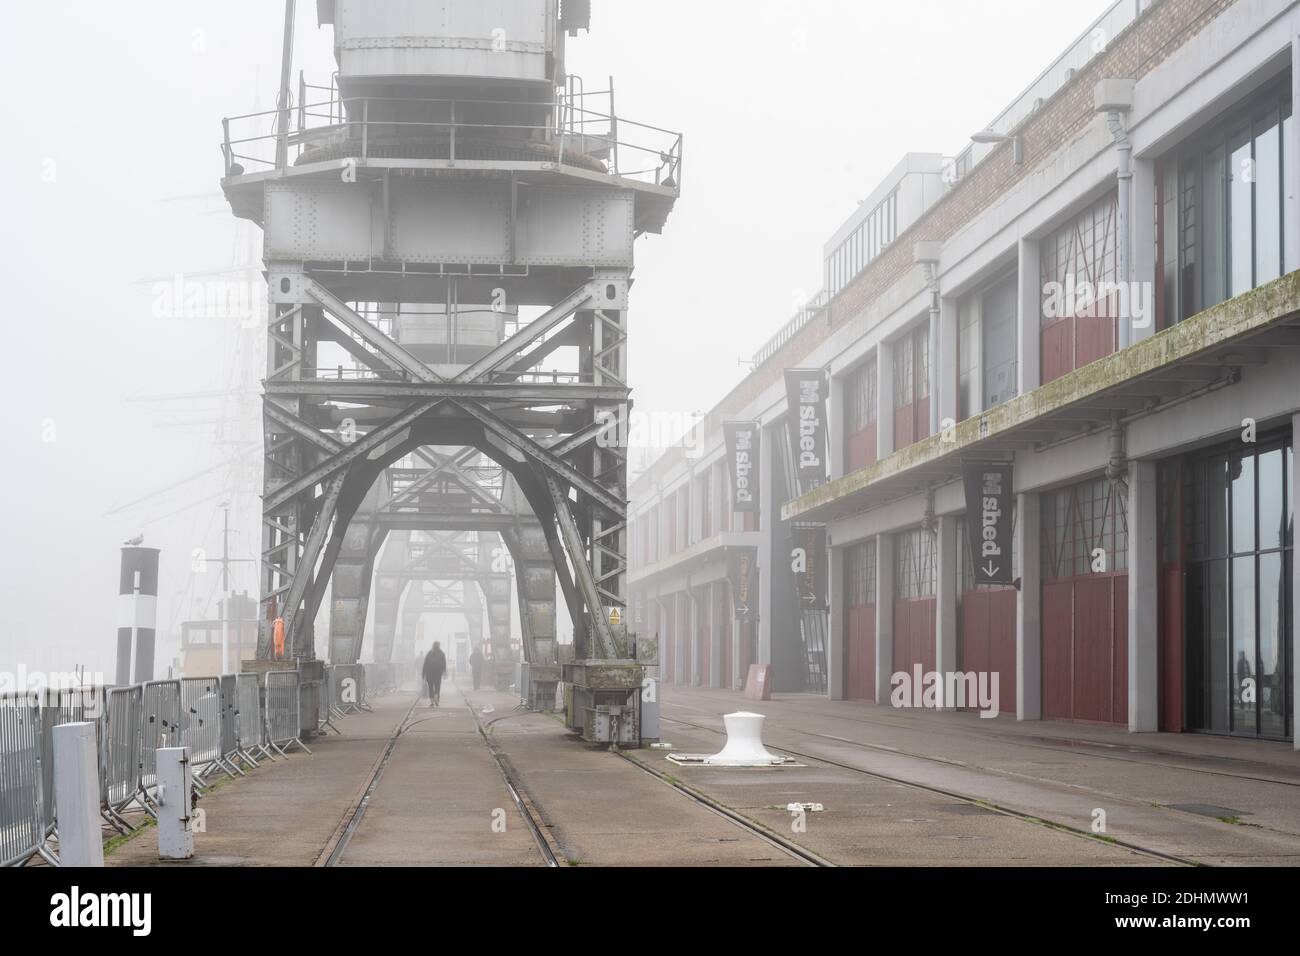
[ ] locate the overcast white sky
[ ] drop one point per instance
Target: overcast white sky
(793, 110)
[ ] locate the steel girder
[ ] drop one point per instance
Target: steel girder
(317, 476)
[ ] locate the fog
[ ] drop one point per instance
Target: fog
(113, 403)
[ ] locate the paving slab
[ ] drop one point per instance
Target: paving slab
(285, 812)
(867, 821)
(441, 799)
(1058, 772)
(602, 810)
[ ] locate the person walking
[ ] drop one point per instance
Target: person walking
(476, 665)
(435, 665)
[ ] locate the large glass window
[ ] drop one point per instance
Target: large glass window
(1238, 615)
(1235, 190)
(860, 574)
(998, 319)
(1085, 530)
(861, 398)
(914, 565)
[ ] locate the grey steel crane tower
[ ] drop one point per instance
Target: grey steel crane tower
(452, 214)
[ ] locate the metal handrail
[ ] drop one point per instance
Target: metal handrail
(568, 120)
(792, 327)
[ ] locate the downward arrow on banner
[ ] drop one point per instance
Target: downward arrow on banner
(990, 570)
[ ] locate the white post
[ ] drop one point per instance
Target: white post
(767, 557)
(1029, 614)
(836, 428)
(1295, 590)
(175, 833)
(76, 793)
(884, 401)
(946, 364)
(836, 685)
(946, 604)
(1143, 599)
(1029, 318)
(884, 617)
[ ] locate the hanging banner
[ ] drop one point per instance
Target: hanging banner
(808, 562)
(806, 394)
(988, 520)
(743, 442)
(742, 569)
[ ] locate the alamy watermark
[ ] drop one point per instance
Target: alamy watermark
(933, 690)
(1082, 298)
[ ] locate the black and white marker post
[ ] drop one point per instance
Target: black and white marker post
(137, 615)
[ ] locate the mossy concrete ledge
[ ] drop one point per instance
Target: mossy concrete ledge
(1247, 314)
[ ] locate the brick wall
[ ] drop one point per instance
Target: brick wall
(1151, 39)
(1166, 26)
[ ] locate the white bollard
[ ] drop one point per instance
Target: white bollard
(744, 744)
(76, 795)
(175, 832)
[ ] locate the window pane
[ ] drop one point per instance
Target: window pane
(1217, 650)
(998, 317)
(1244, 676)
(1243, 504)
(1240, 219)
(1189, 221)
(1292, 195)
(1268, 205)
(1217, 507)
(1271, 520)
(1214, 231)
(1272, 616)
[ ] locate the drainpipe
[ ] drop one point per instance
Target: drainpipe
(1124, 152)
(1113, 97)
(932, 279)
(926, 254)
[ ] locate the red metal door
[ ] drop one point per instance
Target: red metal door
(988, 640)
(1058, 650)
(862, 449)
(860, 624)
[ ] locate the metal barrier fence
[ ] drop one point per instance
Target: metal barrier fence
(250, 728)
(348, 688)
(119, 760)
(160, 727)
(229, 734)
(217, 718)
(201, 722)
(22, 825)
(64, 705)
(283, 719)
(325, 710)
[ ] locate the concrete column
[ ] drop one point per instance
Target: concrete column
(1294, 660)
(692, 637)
(716, 619)
(76, 791)
(1029, 320)
(946, 372)
(1293, 157)
(835, 677)
(884, 400)
(1029, 614)
(769, 515)
(946, 603)
(1142, 251)
(1143, 599)
(884, 617)
(836, 429)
